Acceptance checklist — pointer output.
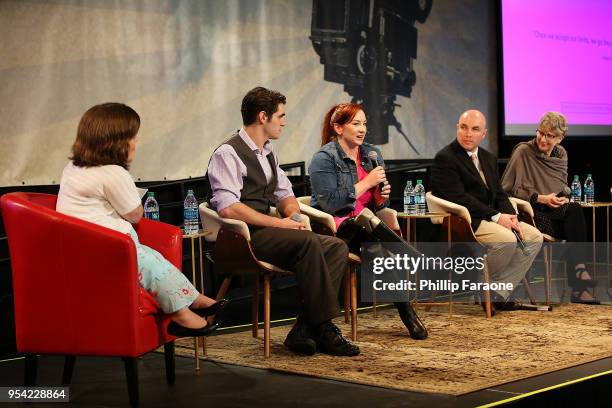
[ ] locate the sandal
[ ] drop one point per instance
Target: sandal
(583, 283)
(576, 299)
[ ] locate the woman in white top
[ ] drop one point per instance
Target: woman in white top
(97, 187)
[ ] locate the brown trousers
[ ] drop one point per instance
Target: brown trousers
(318, 261)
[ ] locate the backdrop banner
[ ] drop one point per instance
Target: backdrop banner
(184, 66)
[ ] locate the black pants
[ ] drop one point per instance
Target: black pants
(318, 261)
(568, 224)
(355, 234)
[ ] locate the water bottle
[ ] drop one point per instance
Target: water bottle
(409, 198)
(576, 190)
(419, 198)
(589, 190)
(190, 214)
(151, 208)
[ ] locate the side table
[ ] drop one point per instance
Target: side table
(594, 207)
(193, 238)
(411, 236)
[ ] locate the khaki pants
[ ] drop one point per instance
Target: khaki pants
(507, 262)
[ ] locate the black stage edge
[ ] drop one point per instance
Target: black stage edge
(99, 381)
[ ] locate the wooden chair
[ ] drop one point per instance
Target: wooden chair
(461, 231)
(526, 214)
(234, 255)
(323, 223)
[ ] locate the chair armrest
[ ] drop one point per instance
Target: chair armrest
(318, 216)
(303, 217)
(303, 200)
(524, 210)
(436, 204)
(211, 221)
(164, 238)
(521, 205)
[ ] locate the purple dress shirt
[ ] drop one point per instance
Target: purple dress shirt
(226, 172)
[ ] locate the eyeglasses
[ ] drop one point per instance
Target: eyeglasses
(548, 136)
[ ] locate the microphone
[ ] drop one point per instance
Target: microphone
(373, 156)
(520, 243)
(567, 192)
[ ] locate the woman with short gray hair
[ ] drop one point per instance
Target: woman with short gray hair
(537, 172)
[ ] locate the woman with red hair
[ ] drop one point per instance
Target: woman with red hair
(346, 185)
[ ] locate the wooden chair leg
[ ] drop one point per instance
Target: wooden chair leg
(169, 359)
(347, 293)
(529, 292)
(131, 373)
(68, 369)
(224, 287)
(549, 287)
(255, 307)
(196, 352)
(547, 273)
(267, 315)
(353, 296)
(374, 304)
(31, 368)
(487, 293)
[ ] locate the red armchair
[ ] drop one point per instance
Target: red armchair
(76, 289)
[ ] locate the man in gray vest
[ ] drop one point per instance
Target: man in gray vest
(245, 181)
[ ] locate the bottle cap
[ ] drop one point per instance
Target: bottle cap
(190, 191)
(589, 175)
(576, 177)
(150, 194)
(419, 181)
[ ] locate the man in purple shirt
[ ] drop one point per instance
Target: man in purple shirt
(246, 181)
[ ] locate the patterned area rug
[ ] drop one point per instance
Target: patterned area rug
(461, 355)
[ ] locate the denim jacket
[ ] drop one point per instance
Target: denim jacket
(333, 176)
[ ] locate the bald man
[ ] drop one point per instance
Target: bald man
(467, 175)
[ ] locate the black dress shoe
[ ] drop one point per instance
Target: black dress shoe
(177, 330)
(330, 341)
(214, 309)
(498, 303)
(576, 299)
(301, 339)
(411, 320)
(580, 284)
(507, 305)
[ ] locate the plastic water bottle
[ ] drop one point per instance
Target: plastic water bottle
(576, 190)
(409, 198)
(190, 214)
(589, 190)
(151, 208)
(419, 198)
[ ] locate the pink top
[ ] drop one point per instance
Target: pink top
(362, 202)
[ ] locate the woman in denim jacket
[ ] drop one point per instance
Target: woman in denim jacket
(346, 185)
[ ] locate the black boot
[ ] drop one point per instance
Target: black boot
(385, 234)
(411, 320)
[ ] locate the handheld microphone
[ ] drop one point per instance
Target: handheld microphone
(520, 243)
(373, 156)
(567, 192)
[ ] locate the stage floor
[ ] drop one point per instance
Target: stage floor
(101, 382)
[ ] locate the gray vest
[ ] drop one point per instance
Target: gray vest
(256, 191)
